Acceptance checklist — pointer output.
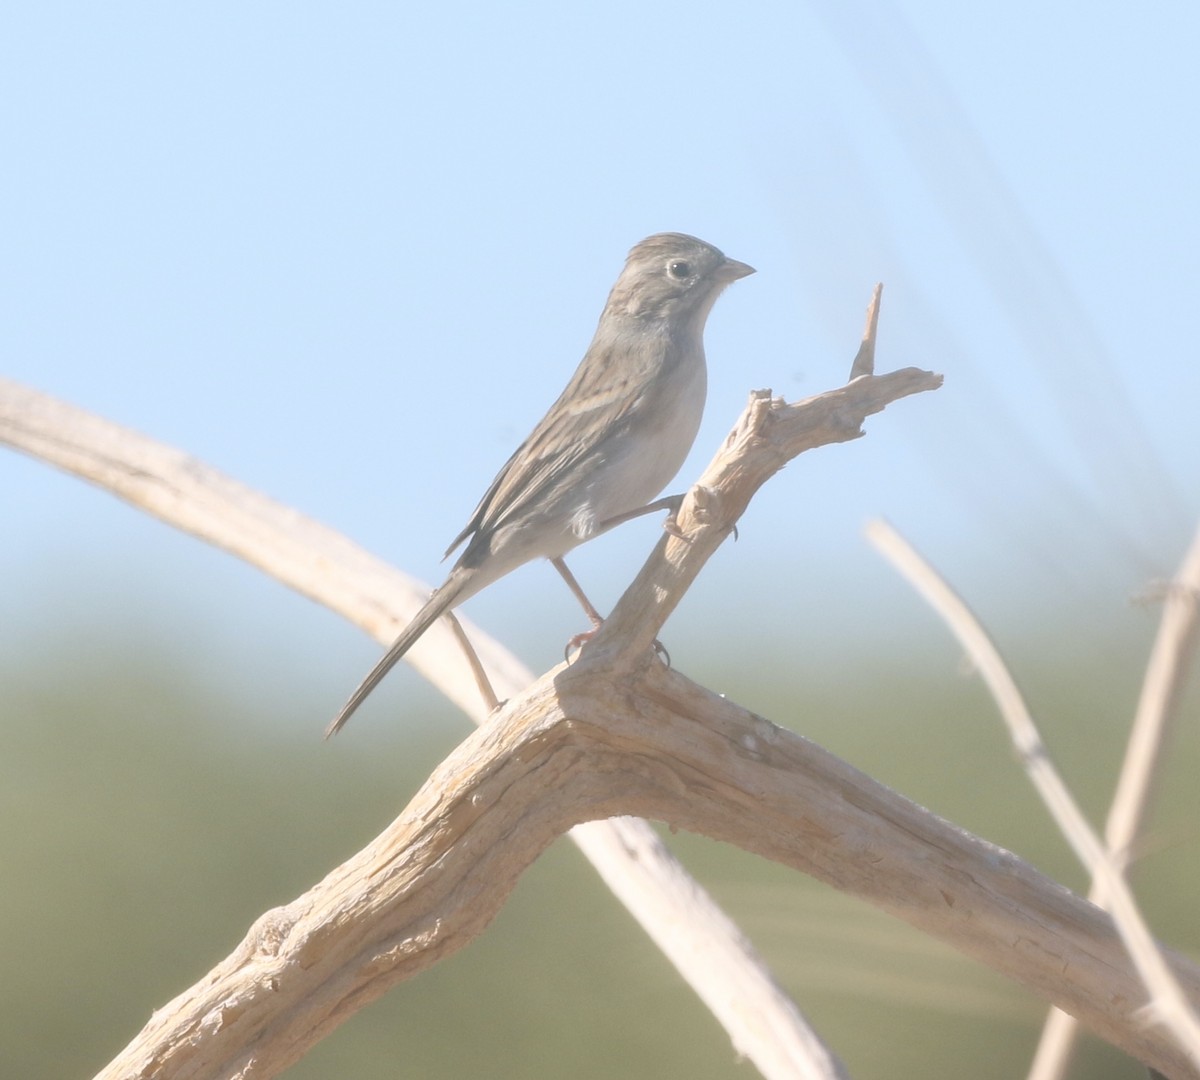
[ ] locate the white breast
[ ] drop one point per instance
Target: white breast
(638, 469)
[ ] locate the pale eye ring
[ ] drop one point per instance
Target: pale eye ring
(679, 269)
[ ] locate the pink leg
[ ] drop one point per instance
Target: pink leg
(585, 603)
(574, 586)
(592, 613)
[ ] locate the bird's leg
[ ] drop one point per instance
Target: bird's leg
(670, 503)
(577, 591)
(592, 613)
(667, 502)
(595, 616)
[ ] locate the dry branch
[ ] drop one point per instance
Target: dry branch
(1168, 1004)
(1166, 672)
(705, 946)
(615, 733)
(582, 744)
(682, 919)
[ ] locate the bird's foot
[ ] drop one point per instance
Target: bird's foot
(579, 640)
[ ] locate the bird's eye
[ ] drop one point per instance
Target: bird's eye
(679, 269)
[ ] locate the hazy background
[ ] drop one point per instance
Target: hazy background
(350, 253)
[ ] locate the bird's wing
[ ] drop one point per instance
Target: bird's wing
(590, 411)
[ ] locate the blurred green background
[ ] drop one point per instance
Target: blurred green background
(151, 820)
(349, 253)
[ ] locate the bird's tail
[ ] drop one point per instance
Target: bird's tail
(437, 605)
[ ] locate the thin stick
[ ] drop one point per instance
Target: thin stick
(1168, 1004)
(864, 362)
(486, 691)
(1157, 705)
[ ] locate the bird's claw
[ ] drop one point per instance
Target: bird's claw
(577, 642)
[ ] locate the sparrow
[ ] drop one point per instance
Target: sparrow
(615, 437)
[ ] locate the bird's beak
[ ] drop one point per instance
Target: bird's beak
(731, 270)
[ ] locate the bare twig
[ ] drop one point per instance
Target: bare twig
(483, 684)
(864, 362)
(1161, 688)
(1169, 1005)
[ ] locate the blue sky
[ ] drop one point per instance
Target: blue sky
(350, 253)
